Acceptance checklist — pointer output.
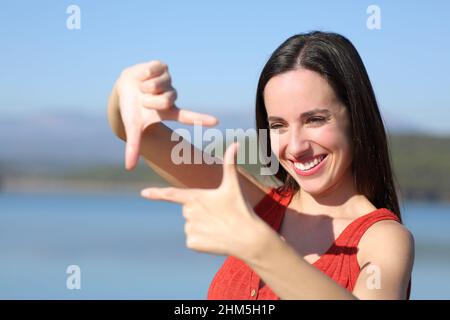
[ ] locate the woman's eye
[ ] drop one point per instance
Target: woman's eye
(275, 126)
(316, 119)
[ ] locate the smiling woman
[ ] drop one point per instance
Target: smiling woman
(333, 230)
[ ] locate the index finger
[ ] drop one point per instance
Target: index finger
(171, 194)
(190, 117)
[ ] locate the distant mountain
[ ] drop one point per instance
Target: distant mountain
(56, 141)
(396, 125)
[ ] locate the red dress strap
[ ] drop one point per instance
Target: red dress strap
(273, 205)
(353, 233)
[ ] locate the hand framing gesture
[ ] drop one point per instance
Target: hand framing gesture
(146, 96)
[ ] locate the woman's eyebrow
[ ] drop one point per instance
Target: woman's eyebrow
(304, 114)
(272, 118)
(314, 112)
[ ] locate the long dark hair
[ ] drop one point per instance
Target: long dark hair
(336, 59)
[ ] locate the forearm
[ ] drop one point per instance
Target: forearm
(288, 274)
(157, 147)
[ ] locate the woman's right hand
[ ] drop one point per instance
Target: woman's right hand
(146, 96)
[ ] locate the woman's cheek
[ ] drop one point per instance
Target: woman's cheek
(329, 138)
(277, 144)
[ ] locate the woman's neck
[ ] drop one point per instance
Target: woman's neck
(339, 201)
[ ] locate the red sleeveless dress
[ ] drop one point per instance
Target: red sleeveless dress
(236, 281)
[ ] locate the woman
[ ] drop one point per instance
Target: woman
(333, 229)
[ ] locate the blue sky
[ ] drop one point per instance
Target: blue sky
(215, 51)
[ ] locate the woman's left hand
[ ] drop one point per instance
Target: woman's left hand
(218, 221)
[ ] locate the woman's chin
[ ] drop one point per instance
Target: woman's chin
(313, 191)
(311, 187)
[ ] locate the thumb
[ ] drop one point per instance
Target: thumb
(230, 172)
(133, 145)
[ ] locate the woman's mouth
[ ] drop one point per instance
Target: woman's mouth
(310, 167)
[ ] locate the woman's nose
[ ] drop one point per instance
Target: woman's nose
(298, 143)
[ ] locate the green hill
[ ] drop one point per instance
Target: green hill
(422, 166)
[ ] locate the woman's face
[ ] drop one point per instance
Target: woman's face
(309, 130)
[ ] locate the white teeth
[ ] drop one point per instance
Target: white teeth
(308, 165)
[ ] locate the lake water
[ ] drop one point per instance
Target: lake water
(131, 248)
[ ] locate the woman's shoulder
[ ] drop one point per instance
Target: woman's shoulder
(387, 231)
(387, 249)
(387, 237)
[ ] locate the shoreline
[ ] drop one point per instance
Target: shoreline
(48, 185)
(87, 186)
